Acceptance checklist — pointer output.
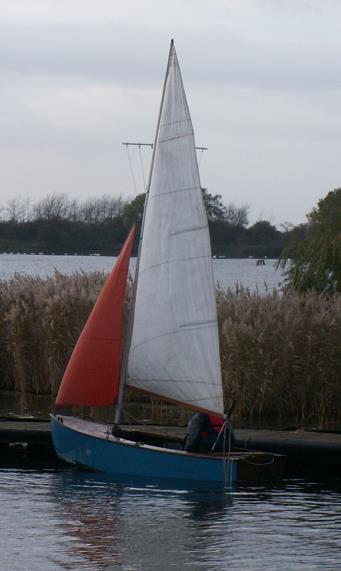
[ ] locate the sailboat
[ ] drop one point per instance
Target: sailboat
(171, 349)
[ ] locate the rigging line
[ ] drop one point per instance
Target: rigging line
(131, 169)
(201, 155)
(151, 145)
(227, 458)
(142, 170)
(135, 419)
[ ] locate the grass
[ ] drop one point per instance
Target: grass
(281, 354)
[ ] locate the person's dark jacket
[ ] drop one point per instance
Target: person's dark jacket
(201, 434)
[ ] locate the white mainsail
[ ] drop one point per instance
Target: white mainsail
(174, 350)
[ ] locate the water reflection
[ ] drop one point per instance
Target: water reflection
(65, 519)
(114, 527)
(91, 520)
(118, 527)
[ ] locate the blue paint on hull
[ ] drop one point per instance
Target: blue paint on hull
(121, 458)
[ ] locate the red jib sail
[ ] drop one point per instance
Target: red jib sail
(92, 376)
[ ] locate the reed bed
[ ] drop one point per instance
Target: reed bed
(40, 321)
(281, 354)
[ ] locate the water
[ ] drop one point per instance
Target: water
(227, 272)
(58, 519)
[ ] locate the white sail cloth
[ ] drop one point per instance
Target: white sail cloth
(174, 348)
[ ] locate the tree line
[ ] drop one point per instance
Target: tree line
(59, 224)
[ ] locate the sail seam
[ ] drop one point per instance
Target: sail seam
(190, 381)
(210, 323)
(188, 188)
(168, 139)
(174, 261)
(185, 230)
(187, 120)
(196, 323)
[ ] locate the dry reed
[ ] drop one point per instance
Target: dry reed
(40, 322)
(281, 354)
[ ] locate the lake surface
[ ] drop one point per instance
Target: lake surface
(61, 519)
(227, 272)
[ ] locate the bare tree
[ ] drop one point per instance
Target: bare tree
(59, 207)
(106, 208)
(89, 211)
(112, 206)
(52, 207)
(73, 212)
(15, 209)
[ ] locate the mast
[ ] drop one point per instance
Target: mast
(127, 342)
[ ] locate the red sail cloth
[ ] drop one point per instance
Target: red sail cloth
(92, 376)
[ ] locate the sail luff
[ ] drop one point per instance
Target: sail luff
(174, 350)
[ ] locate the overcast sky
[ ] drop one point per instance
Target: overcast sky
(263, 81)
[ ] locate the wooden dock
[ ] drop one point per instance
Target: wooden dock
(304, 449)
(25, 443)
(25, 431)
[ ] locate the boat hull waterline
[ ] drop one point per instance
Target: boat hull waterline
(89, 444)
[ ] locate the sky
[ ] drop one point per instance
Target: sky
(262, 77)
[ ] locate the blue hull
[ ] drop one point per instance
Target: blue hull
(89, 445)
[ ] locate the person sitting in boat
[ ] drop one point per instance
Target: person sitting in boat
(203, 431)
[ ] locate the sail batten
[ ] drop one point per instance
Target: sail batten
(174, 346)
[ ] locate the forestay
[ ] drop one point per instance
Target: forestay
(174, 350)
